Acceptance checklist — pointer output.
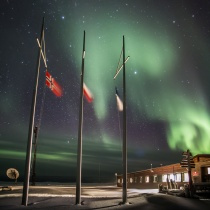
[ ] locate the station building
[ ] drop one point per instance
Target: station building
(171, 176)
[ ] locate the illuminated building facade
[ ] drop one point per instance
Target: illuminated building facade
(173, 176)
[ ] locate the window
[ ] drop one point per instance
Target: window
(171, 176)
(140, 179)
(118, 180)
(178, 178)
(164, 178)
(135, 179)
(131, 180)
(155, 178)
(186, 177)
(146, 179)
(208, 170)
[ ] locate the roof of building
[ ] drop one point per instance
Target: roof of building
(202, 155)
(166, 168)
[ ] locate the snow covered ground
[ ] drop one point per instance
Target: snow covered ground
(96, 197)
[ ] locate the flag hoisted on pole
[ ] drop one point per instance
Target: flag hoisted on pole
(31, 126)
(87, 93)
(79, 146)
(124, 193)
(53, 85)
(50, 81)
(119, 102)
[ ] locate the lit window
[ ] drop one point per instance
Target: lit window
(140, 179)
(208, 170)
(131, 180)
(118, 180)
(155, 178)
(186, 177)
(164, 178)
(146, 179)
(171, 177)
(178, 177)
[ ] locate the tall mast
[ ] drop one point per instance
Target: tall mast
(79, 147)
(33, 177)
(124, 131)
(31, 126)
(124, 149)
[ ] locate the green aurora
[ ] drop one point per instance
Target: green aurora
(167, 76)
(156, 89)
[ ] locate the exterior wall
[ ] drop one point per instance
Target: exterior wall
(152, 178)
(200, 173)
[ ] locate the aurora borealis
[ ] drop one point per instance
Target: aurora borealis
(168, 100)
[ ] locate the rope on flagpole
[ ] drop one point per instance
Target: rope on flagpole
(118, 65)
(45, 50)
(119, 60)
(42, 107)
(120, 130)
(44, 91)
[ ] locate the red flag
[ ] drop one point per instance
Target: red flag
(87, 93)
(53, 85)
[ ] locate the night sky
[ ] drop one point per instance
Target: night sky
(168, 74)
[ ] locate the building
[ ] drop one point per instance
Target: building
(171, 176)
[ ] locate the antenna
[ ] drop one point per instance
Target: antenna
(12, 173)
(151, 168)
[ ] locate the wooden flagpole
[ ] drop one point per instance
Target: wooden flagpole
(33, 177)
(31, 127)
(124, 152)
(79, 147)
(124, 131)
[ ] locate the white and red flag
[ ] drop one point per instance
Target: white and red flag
(87, 93)
(53, 85)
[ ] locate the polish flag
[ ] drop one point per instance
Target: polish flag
(87, 93)
(53, 85)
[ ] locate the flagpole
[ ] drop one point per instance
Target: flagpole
(31, 128)
(124, 131)
(79, 147)
(33, 177)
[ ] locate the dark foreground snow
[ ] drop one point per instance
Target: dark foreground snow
(96, 197)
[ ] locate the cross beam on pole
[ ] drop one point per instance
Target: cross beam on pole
(44, 59)
(118, 70)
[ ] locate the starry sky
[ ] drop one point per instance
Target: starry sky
(167, 75)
